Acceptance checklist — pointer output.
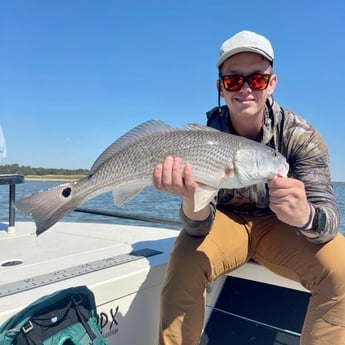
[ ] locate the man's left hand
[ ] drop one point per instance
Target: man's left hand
(288, 200)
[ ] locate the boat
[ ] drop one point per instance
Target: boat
(124, 266)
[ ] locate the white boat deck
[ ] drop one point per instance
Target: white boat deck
(68, 245)
(72, 254)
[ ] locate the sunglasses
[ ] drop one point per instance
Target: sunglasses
(256, 81)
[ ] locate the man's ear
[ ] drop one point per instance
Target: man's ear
(272, 84)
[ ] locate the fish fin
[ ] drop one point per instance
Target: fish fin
(232, 182)
(203, 195)
(144, 130)
(123, 195)
(198, 127)
(49, 206)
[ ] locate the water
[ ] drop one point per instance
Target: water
(150, 202)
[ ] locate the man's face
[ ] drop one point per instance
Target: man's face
(246, 101)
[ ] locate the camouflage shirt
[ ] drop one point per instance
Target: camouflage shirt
(308, 158)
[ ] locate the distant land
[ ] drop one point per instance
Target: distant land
(31, 173)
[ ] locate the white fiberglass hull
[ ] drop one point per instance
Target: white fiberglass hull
(126, 288)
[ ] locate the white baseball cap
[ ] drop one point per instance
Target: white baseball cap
(245, 41)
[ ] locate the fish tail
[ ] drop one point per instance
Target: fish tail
(49, 206)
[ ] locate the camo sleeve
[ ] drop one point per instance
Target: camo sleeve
(308, 157)
(201, 227)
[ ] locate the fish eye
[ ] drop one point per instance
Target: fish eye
(66, 192)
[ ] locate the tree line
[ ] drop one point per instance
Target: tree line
(28, 170)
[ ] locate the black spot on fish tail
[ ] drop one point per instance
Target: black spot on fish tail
(66, 192)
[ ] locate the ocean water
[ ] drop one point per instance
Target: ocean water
(150, 203)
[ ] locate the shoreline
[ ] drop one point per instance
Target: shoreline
(49, 178)
(31, 179)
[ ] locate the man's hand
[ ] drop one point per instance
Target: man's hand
(288, 201)
(170, 177)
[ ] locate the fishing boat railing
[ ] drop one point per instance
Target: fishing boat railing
(132, 216)
(11, 180)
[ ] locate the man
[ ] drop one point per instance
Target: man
(291, 227)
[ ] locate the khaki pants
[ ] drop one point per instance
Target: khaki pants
(233, 240)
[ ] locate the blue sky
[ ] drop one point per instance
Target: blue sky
(75, 75)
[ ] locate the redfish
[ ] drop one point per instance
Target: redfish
(219, 160)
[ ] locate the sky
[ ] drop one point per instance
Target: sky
(77, 74)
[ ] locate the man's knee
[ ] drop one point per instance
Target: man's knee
(332, 259)
(188, 261)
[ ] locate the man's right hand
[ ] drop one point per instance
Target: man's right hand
(172, 178)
